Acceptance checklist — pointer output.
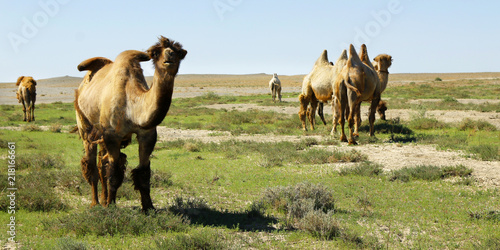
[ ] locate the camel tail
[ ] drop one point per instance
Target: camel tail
(88, 132)
(348, 84)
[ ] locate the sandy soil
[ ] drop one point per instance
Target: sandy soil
(391, 156)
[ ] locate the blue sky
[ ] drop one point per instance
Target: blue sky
(49, 38)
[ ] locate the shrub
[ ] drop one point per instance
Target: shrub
(55, 128)
(200, 238)
(31, 128)
(427, 123)
(36, 193)
(363, 169)
(39, 161)
(320, 225)
(112, 221)
(468, 123)
(297, 200)
(438, 79)
(210, 96)
(191, 147)
(429, 173)
(68, 243)
(161, 179)
(485, 152)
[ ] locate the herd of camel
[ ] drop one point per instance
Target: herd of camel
(114, 101)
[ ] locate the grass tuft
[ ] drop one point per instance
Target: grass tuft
(429, 173)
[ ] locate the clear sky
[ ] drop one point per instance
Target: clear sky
(49, 38)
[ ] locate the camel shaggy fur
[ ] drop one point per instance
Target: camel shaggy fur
(357, 82)
(26, 94)
(318, 87)
(113, 102)
(275, 86)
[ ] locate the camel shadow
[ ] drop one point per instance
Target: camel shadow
(245, 221)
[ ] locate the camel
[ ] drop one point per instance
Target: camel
(380, 64)
(275, 86)
(26, 94)
(357, 82)
(113, 102)
(318, 87)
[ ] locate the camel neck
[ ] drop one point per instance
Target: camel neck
(383, 76)
(158, 98)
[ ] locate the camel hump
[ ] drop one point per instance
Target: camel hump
(353, 57)
(133, 55)
(93, 64)
(323, 59)
(343, 55)
(19, 80)
(364, 54)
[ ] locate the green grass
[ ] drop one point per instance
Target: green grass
(457, 89)
(243, 194)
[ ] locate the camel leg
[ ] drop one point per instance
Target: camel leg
(116, 169)
(33, 107)
(103, 165)
(24, 109)
(353, 107)
(312, 112)
(273, 92)
(304, 102)
(371, 118)
(320, 112)
(142, 174)
(357, 120)
(89, 169)
(381, 108)
(279, 93)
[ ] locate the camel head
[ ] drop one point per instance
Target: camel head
(167, 55)
(382, 63)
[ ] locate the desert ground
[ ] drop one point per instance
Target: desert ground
(390, 155)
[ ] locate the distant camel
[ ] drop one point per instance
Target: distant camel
(318, 87)
(26, 94)
(275, 86)
(113, 102)
(357, 82)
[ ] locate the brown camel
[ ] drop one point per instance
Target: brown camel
(112, 103)
(26, 94)
(381, 64)
(318, 87)
(357, 82)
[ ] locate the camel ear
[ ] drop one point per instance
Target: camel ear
(182, 53)
(19, 80)
(154, 52)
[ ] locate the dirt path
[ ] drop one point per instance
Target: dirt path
(390, 156)
(448, 116)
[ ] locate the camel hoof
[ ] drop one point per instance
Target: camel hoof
(147, 211)
(343, 138)
(352, 142)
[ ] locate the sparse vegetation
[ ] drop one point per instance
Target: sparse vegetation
(312, 193)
